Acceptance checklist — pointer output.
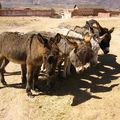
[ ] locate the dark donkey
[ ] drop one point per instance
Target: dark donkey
(26, 49)
(98, 30)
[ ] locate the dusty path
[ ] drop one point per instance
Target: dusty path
(93, 95)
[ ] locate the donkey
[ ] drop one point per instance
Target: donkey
(50, 37)
(74, 50)
(66, 44)
(83, 55)
(29, 50)
(98, 30)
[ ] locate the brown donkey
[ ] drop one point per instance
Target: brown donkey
(29, 50)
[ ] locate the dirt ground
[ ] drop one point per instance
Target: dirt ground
(92, 95)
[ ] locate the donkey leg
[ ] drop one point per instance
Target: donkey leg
(65, 72)
(29, 80)
(35, 77)
(2, 78)
(66, 62)
(2, 67)
(68, 68)
(59, 68)
(23, 73)
(94, 60)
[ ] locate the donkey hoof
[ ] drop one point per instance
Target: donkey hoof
(4, 83)
(29, 94)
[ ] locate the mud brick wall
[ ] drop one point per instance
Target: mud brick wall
(87, 12)
(27, 12)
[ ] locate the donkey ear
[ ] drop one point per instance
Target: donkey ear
(87, 37)
(40, 36)
(75, 50)
(41, 39)
(51, 41)
(102, 37)
(90, 27)
(111, 30)
(57, 38)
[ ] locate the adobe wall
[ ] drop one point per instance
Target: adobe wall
(26, 12)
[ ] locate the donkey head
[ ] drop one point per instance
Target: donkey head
(100, 31)
(53, 57)
(105, 43)
(49, 57)
(82, 53)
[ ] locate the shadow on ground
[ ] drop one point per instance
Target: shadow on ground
(81, 86)
(12, 73)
